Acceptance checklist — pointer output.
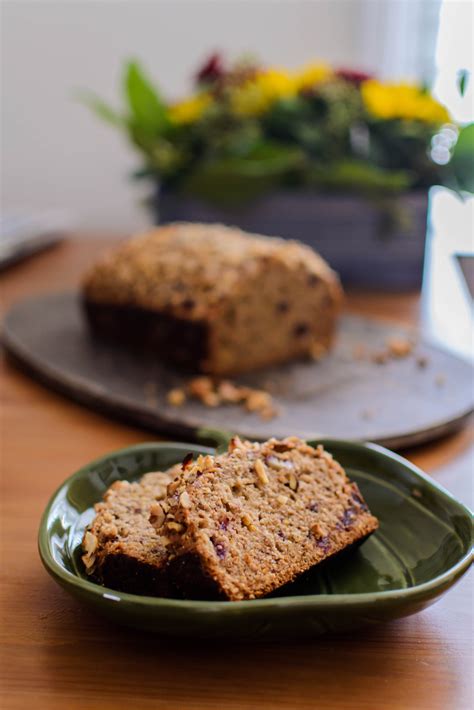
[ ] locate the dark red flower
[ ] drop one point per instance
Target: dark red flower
(354, 77)
(211, 71)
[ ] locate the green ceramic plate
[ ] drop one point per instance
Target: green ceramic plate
(422, 548)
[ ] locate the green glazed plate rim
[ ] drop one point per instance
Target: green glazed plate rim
(69, 579)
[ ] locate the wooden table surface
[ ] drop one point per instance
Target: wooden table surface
(57, 654)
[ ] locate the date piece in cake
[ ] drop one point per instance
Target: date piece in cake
(121, 548)
(241, 524)
(214, 299)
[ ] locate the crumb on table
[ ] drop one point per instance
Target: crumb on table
(395, 348)
(212, 393)
(150, 391)
(381, 357)
(400, 347)
(176, 397)
(359, 351)
(422, 361)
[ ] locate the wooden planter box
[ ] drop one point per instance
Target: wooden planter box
(352, 233)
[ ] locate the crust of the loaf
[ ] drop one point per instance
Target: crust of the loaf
(128, 574)
(192, 580)
(183, 343)
(202, 262)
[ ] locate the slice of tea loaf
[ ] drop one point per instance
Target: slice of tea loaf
(241, 524)
(121, 548)
(214, 299)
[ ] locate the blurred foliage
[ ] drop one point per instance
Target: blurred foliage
(371, 180)
(247, 130)
(463, 78)
(235, 179)
(462, 161)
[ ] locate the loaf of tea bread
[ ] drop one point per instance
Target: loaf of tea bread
(214, 299)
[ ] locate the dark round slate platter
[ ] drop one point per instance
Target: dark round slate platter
(396, 404)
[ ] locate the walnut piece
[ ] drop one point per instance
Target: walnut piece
(261, 472)
(172, 525)
(293, 482)
(157, 515)
(90, 542)
(317, 530)
(185, 500)
(247, 521)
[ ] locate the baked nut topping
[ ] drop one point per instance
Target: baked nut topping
(235, 443)
(185, 500)
(187, 461)
(261, 472)
(279, 463)
(89, 562)
(293, 482)
(109, 531)
(90, 542)
(317, 530)
(157, 515)
(172, 525)
(247, 521)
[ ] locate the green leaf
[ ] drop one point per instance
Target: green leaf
(462, 162)
(364, 178)
(463, 78)
(101, 109)
(148, 113)
(232, 181)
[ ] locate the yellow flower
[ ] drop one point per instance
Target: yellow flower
(312, 74)
(257, 94)
(403, 101)
(189, 110)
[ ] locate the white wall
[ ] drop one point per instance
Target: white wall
(54, 154)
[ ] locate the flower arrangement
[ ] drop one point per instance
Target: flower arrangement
(246, 130)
